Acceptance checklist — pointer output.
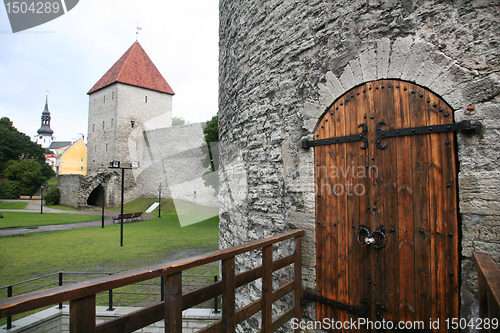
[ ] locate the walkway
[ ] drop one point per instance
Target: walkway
(34, 207)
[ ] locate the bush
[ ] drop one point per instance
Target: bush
(4, 192)
(52, 196)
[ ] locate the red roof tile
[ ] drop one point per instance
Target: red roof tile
(134, 68)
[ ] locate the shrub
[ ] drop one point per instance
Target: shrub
(4, 192)
(52, 196)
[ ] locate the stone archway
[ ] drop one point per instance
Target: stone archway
(95, 197)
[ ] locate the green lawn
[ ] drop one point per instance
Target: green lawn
(12, 205)
(22, 219)
(98, 250)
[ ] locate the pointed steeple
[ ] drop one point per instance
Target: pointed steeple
(45, 128)
(134, 68)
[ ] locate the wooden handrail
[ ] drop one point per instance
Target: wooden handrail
(82, 295)
(488, 275)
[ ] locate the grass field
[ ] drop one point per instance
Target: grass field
(22, 219)
(95, 249)
(12, 205)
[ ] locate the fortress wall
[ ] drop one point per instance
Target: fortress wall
(282, 63)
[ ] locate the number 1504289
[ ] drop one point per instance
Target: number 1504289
(474, 323)
(32, 7)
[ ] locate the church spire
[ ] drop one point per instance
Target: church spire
(45, 128)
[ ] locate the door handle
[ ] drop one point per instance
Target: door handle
(365, 237)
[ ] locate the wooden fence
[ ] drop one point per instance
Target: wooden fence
(82, 296)
(488, 275)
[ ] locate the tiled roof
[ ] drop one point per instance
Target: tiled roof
(59, 144)
(134, 68)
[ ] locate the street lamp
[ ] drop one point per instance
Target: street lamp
(41, 197)
(159, 200)
(103, 184)
(116, 165)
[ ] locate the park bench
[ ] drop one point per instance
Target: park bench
(24, 197)
(126, 216)
(36, 197)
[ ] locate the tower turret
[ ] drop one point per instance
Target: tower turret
(44, 136)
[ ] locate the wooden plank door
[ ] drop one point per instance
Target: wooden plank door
(407, 190)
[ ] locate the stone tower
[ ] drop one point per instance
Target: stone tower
(284, 66)
(44, 136)
(131, 95)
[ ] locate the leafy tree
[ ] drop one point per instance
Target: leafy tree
(212, 130)
(24, 176)
(212, 155)
(177, 121)
(52, 196)
(17, 146)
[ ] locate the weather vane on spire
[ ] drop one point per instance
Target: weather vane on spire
(137, 32)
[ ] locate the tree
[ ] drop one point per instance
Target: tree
(178, 121)
(22, 161)
(15, 145)
(212, 130)
(211, 178)
(24, 176)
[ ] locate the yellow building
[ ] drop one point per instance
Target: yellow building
(72, 160)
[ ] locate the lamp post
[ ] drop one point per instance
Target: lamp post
(41, 198)
(116, 165)
(103, 184)
(159, 200)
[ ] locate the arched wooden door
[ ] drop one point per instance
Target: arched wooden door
(391, 187)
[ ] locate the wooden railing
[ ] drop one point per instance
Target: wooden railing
(82, 296)
(488, 275)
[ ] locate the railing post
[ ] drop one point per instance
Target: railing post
(162, 288)
(297, 291)
(228, 296)
(82, 315)
(267, 289)
(173, 303)
(60, 284)
(9, 319)
(216, 299)
(110, 300)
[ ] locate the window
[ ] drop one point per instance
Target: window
(111, 122)
(82, 159)
(145, 99)
(104, 98)
(132, 122)
(81, 168)
(113, 95)
(93, 127)
(103, 125)
(106, 147)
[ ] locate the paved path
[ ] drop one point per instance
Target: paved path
(34, 207)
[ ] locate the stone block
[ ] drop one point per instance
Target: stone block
(368, 61)
(436, 64)
(419, 53)
(334, 85)
(327, 97)
(483, 89)
(357, 72)
(399, 53)
(383, 53)
(347, 79)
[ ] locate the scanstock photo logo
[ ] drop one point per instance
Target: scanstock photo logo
(25, 15)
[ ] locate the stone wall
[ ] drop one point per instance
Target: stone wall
(283, 63)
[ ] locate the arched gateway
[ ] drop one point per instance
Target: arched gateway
(387, 239)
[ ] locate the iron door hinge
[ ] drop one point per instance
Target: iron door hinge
(464, 125)
(340, 139)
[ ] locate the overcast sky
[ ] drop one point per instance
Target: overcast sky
(68, 55)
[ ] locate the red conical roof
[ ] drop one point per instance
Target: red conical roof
(136, 69)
